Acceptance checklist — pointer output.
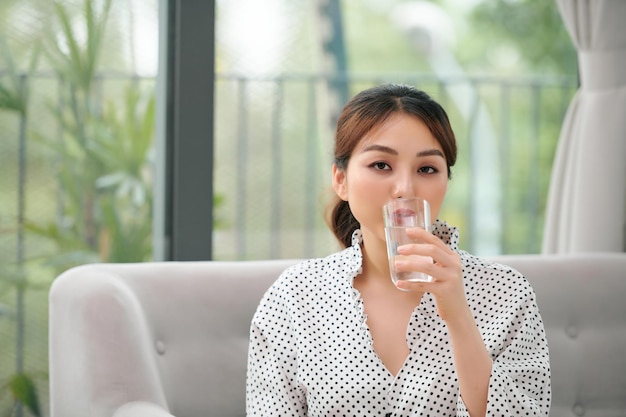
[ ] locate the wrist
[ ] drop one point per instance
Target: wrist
(462, 321)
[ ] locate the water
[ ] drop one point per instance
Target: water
(397, 236)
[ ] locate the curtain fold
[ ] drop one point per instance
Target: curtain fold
(586, 209)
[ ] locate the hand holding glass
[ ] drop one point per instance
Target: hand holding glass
(402, 214)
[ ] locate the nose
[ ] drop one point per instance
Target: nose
(403, 186)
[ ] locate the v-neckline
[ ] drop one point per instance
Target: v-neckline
(393, 359)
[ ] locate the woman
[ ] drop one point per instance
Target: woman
(334, 336)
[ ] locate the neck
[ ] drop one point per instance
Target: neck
(375, 280)
(375, 261)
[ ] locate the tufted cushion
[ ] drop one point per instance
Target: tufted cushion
(582, 299)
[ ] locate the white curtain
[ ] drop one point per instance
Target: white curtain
(586, 209)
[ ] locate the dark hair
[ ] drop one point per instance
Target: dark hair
(369, 109)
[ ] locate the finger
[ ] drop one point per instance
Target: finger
(413, 262)
(438, 254)
(423, 264)
(414, 286)
(425, 236)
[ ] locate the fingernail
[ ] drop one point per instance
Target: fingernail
(403, 285)
(400, 264)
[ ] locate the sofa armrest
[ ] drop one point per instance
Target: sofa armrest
(101, 353)
(141, 409)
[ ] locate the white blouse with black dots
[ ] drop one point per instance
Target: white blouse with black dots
(311, 353)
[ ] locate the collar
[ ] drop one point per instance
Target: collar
(449, 235)
(354, 257)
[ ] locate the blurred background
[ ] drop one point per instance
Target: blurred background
(77, 127)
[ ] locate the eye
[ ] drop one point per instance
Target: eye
(380, 166)
(428, 170)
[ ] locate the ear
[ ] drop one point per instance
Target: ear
(339, 182)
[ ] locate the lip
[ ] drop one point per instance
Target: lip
(403, 213)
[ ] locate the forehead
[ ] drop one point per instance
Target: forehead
(400, 129)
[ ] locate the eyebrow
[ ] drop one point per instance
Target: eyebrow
(391, 151)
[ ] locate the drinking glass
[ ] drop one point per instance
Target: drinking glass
(401, 214)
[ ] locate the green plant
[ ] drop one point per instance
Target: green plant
(23, 391)
(14, 91)
(104, 175)
(14, 97)
(103, 156)
(73, 60)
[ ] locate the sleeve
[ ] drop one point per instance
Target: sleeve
(520, 374)
(271, 387)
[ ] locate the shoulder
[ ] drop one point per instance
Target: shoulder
(313, 270)
(306, 277)
(303, 286)
(485, 278)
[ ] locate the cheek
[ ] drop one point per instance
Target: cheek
(437, 197)
(442, 189)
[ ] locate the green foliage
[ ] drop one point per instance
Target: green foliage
(104, 176)
(14, 92)
(75, 62)
(103, 156)
(374, 45)
(22, 388)
(534, 29)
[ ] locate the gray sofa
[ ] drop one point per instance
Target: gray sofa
(161, 339)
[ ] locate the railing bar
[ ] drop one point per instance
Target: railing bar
(241, 174)
(98, 105)
(59, 162)
(442, 93)
(565, 101)
(505, 137)
(410, 78)
(21, 209)
(474, 162)
(276, 183)
(545, 81)
(311, 171)
(535, 155)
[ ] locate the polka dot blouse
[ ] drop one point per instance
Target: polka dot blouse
(311, 352)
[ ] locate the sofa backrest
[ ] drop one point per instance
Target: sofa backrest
(175, 334)
(582, 299)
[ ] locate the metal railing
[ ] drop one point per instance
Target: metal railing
(507, 134)
(273, 143)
